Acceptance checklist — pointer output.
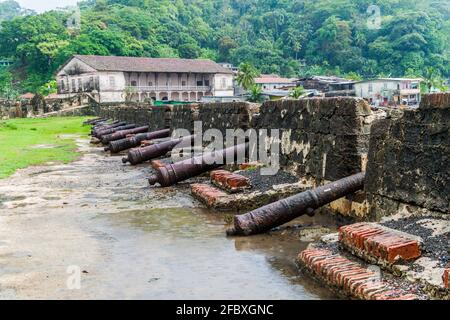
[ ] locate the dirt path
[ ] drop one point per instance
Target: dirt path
(100, 218)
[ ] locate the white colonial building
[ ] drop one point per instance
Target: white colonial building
(118, 79)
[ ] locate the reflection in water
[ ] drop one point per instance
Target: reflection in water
(184, 254)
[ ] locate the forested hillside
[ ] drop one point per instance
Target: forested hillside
(289, 37)
(10, 9)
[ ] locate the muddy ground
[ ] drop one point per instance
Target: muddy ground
(100, 219)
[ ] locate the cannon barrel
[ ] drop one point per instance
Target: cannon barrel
(105, 132)
(104, 126)
(94, 121)
(134, 141)
(122, 134)
(140, 155)
(171, 174)
(280, 212)
(96, 130)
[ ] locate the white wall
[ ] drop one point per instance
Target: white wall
(223, 85)
(273, 86)
(362, 89)
(118, 84)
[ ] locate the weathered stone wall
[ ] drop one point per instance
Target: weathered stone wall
(34, 107)
(221, 116)
(409, 162)
(325, 139)
(157, 117)
(24, 109)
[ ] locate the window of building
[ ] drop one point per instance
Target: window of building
(74, 86)
(150, 84)
(370, 87)
(385, 85)
(183, 83)
(80, 84)
(414, 85)
(112, 81)
(134, 83)
(224, 83)
(207, 83)
(62, 85)
(200, 83)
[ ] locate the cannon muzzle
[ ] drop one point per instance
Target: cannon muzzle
(280, 212)
(171, 174)
(131, 142)
(140, 155)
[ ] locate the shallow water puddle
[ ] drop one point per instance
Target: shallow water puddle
(132, 241)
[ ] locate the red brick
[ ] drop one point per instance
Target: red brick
(445, 278)
(208, 194)
(375, 241)
(348, 276)
(229, 181)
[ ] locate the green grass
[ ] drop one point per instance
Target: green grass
(20, 140)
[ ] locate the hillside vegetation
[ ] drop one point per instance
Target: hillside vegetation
(288, 37)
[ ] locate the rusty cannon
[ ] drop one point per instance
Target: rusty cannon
(105, 132)
(135, 140)
(93, 122)
(171, 174)
(103, 126)
(140, 155)
(278, 213)
(116, 124)
(107, 138)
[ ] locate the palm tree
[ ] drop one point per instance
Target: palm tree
(246, 76)
(432, 79)
(297, 92)
(255, 94)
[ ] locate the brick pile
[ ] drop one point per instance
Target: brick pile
(229, 181)
(350, 277)
(210, 195)
(370, 240)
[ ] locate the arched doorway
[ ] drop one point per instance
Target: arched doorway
(175, 96)
(164, 96)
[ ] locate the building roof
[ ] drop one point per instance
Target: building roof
(272, 78)
(329, 80)
(27, 96)
(134, 64)
(391, 79)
